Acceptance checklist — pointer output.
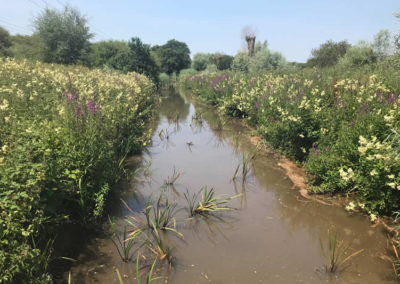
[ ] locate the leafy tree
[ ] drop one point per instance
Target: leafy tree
(172, 56)
(5, 42)
(110, 54)
(397, 36)
(201, 60)
(241, 62)
(140, 59)
(223, 61)
(382, 44)
(328, 54)
(359, 55)
(65, 35)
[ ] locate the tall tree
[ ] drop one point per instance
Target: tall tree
(65, 35)
(173, 56)
(140, 59)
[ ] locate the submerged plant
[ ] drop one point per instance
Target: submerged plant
(160, 248)
(245, 166)
(336, 252)
(125, 244)
(172, 179)
(209, 202)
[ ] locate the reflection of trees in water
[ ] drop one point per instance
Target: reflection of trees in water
(174, 107)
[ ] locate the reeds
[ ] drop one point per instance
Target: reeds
(245, 166)
(149, 277)
(336, 252)
(173, 178)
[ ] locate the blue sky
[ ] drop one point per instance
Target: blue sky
(291, 27)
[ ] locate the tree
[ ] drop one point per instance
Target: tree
(249, 35)
(382, 44)
(241, 62)
(328, 54)
(5, 42)
(65, 35)
(25, 46)
(397, 36)
(201, 60)
(111, 54)
(223, 61)
(358, 55)
(172, 56)
(140, 59)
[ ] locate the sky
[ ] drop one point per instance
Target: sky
(291, 27)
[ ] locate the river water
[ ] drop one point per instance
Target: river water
(272, 235)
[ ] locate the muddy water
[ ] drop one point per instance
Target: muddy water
(272, 235)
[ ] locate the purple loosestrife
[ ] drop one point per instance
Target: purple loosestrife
(91, 106)
(76, 111)
(316, 152)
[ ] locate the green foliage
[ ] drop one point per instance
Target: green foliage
(29, 47)
(382, 45)
(164, 79)
(65, 35)
(60, 153)
(5, 42)
(222, 61)
(357, 56)
(201, 60)
(328, 54)
(111, 54)
(140, 60)
(172, 57)
(241, 62)
(337, 126)
(263, 60)
(187, 72)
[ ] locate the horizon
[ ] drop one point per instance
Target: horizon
(293, 29)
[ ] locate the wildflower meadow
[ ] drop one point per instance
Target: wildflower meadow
(64, 134)
(343, 129)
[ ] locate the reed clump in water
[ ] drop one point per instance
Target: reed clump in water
(245, 166)
(208, 203)
(124, 244)
(337, 252)
(173, 178)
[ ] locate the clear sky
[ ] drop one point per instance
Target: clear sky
(291, 27)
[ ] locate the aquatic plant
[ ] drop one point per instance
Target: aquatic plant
(125, 244)
(208, 203)
(336, 252)
(245, 166)
(149, 277)
(173, 178)
(161, 216)
(160, 248)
